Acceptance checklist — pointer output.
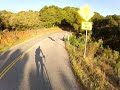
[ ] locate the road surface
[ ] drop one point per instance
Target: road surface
(41, 63)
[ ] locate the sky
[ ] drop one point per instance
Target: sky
(104, 7)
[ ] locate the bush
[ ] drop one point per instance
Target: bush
(117, 70)
(107, 56)
(92, 48)
(88, 73)
(74, 41)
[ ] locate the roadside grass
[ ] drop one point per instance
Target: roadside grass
(90, 73)
(10, 39)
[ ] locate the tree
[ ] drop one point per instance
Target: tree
(51, 16)
(5, 17)
(106, 28)
(72, 17)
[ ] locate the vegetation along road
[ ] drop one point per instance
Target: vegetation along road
(38, 64)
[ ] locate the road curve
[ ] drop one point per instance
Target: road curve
(41, 63)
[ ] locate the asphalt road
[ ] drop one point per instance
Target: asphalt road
(41, 63)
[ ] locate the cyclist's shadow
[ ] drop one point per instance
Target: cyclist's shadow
(42, 74)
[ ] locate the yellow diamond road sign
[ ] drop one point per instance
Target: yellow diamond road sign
(86, 25)
(86, 12)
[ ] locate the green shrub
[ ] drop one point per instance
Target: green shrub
(74, 41)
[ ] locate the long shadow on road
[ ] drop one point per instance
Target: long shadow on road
(43, 81)
(11, 80)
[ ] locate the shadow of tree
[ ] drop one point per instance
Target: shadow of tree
(42, 76)
(68, 83)
(3, 57)
(12, 79)
(56, 41)
(51, 39)
(7, 59)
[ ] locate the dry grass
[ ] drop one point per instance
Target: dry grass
(89, 74)
(9, 39)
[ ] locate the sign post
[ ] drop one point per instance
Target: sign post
(85, 46)
(86, 14)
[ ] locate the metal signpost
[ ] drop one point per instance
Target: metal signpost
(86, 14)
